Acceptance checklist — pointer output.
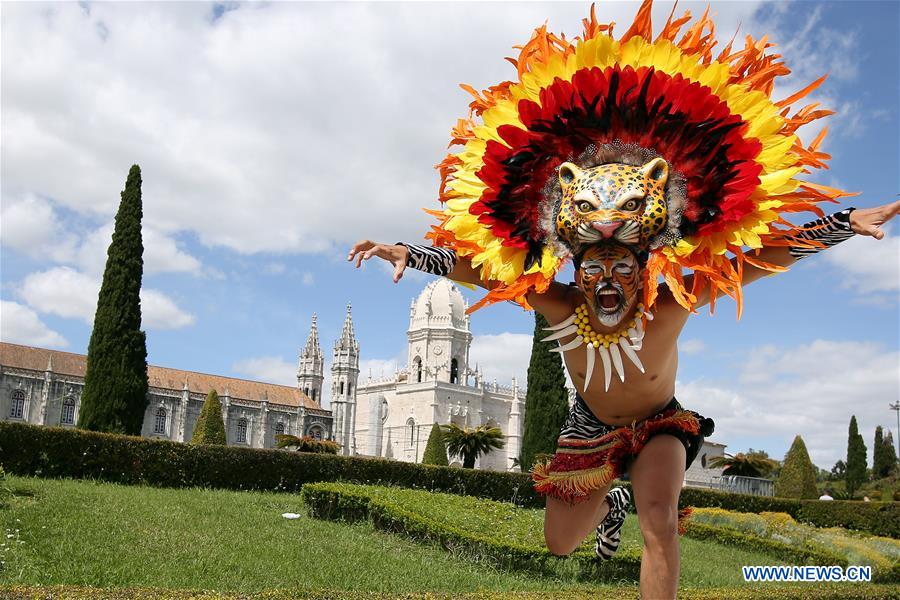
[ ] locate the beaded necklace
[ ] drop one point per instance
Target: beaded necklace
(629, 339)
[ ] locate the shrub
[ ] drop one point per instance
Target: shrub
(210, 428)
(798, 476)
(436, 448)
(27, 449)
(405, 517)
(306, 444)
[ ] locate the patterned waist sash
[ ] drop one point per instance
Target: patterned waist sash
(581, 466)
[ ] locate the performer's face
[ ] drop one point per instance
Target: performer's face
(609, 277)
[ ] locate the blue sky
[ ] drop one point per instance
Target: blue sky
(273, 136)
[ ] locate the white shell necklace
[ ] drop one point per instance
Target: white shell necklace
(629, 339)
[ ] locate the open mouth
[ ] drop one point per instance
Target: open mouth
(609, 299)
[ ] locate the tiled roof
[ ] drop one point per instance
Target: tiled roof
(67, 363)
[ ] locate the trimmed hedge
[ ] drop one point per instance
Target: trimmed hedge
(57, 452)
(849, 591)
(340, 502)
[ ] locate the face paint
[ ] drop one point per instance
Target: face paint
(610, 280)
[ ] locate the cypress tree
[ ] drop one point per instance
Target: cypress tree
(210, 428)
(856, 458)
(889, 451)
(436, 448)
(114, 398)
(798, 476)
(879, 458)
(547, 401)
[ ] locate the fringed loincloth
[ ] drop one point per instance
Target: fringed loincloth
(584, 463)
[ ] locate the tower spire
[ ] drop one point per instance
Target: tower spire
(348, 337)
(310, 370)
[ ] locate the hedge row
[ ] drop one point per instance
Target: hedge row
(57, 452)
(849, 591)
(334, 501)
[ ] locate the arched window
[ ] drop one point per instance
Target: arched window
(342, 388)
(417, 366)
(410, 431)
(306, 390)
(454, 371)
(279, 428)
(160, 420)
(68, 412)
(315, 432)
(349, 388)
(314, 394)
(17, 407)
(703, 460)
(242, 431)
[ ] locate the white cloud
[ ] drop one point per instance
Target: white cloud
(68, 293)
(21, 325)
(502, 356)
(308, 278)
(269, 369)
(29, 225)
(810, 389)
(333, 140)
(379, 368)
(692, 346)
(158, 311)
(867, 265)
(62, 291)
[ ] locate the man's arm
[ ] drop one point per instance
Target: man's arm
(862, 221)
(554, 304)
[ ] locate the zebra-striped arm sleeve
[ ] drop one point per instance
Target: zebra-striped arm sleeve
(437, 261)
(829, 231)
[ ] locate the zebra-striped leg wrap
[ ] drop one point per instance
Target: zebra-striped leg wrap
(609, 531)
(829, 231)
(437, 261)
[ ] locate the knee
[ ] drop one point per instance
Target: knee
(559, 545)
(659, 523)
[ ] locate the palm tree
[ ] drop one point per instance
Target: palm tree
(472, 443)
(744, 465)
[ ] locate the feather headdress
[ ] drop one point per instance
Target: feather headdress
(712, 119)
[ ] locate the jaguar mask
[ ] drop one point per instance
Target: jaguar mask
(614, 201)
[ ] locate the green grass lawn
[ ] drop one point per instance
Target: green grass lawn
(106, 535)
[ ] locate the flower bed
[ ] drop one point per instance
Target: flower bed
(781, 534)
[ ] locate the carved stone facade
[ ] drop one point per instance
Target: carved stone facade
(395, 415)
(43, 387)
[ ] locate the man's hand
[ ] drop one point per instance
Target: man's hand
(868, 221)
(394, 254)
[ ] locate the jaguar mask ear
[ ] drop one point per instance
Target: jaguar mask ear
(657, 170)
(568, 172)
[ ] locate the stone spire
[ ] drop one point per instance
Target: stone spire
(311, 369)
(348, 337)
(344, 375)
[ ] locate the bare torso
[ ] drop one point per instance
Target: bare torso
(641, 394)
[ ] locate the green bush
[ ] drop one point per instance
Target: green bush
(57, 452)
(798, 476)
(335, 501)
(306, 444)
(436, 448)
(210, 428)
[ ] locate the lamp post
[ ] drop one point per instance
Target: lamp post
(896, 408)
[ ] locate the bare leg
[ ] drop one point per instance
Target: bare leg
(566, 525)
(657, 475)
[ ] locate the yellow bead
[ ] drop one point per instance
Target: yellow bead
(596, 344)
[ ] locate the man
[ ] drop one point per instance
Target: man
(644, 158)
(657, 473)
